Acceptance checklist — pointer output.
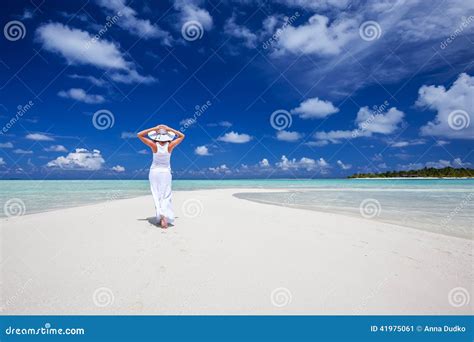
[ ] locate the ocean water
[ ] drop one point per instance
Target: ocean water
(440, 205)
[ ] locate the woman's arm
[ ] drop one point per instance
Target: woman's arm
(176, 141)
(143, 136)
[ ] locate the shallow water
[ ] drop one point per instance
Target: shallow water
(440, 205)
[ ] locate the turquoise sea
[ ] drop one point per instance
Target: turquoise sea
(441, 205)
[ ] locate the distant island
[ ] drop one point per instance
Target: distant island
(431, 172)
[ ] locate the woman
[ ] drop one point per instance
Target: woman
(160, 140)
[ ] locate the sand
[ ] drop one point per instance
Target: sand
(227, 256)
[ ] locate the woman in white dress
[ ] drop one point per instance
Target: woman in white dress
(161, 141)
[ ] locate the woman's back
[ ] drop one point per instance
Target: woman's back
(161, 159)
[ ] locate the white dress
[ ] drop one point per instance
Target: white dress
(160, 182)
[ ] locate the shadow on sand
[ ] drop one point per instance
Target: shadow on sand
(154, 221)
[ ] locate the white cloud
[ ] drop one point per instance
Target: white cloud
(128, 135)
(368, 123)
(94, 80)
(236, 138)
(56, 148)
(190, 11)
(2, 162)
(233, 29)
(304, 163)
(27, 14)
(80, 47)
(39, 137)
(314, 108)
(220, 169)
(456, 162)
(404, 143)
(128, 20)
(316, 5)
(77, 47)
(80, 94)
(264, 163)
(6, 145)
(20, 151)
(143, 151)
(118, 168)
(202, 151)
(457, 100)
(318, 36)
(344, 166)
(81, 159)
(226, 124)
(288, 136)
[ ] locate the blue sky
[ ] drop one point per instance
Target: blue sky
(287, 88)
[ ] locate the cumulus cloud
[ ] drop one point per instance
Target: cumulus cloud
(220, 169)
(235, 138)
(80, 47)
(288, 136)
(344, 166)
(368, 123)
(264, 163)
(318, 36)
(304, 163)
(56, 148)
(454, 106)
(129, 21)
(406, 143)
(315, 5)
(314, 108)
(6, 145)
(2, 162)
(80, 94)
(241, 32)
(39, 137)
(118, 168)
(190, 10)
(81, 159)
(202, 151)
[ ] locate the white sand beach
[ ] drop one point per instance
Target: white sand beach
(227, 256)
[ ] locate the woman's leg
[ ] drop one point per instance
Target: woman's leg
(155, 191)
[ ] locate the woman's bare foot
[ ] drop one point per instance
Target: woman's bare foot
(164, 223)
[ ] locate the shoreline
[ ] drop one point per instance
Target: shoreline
(225, 256)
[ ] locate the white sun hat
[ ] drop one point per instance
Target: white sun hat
(161, 135)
